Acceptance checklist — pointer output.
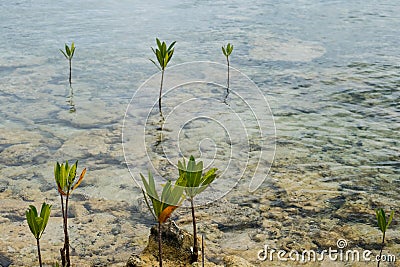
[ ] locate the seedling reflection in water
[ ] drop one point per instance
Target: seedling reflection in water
(70, 100)
(162, 208)
(65, 176)
(163, 55)
(37, 224)
(383, 226)
(191, 176)
(69, 54)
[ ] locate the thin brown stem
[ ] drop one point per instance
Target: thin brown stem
(66, 242)
(39, 255)
(195, 254)
(227, 83)
(161, 86)
(70, 71)
(159, 245)
(202, 251)
(383, 244)
(227, 60)
(62, 250)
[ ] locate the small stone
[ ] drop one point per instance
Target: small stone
(260, 238)
(134, 261)
(176, 244)
(235, 261)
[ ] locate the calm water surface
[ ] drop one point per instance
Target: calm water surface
(329, 70)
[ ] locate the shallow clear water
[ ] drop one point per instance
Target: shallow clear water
(329, 70)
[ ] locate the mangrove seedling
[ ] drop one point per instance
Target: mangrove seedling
(227, 51)
(65, 175)
(162, 208)
(163, 55)
(37, 224)
(191, 176)
(69, 53)
(383, 226)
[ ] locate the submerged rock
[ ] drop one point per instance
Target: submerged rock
(236, 261)
(176, 244)
(177, 249)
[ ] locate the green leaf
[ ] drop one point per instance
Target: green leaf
(152, 194)
(65, 170)
(65, 176)
(170, 54)
(165, 60)
(182, 167)
(390, 219)
(171, 46)
(190, 172)
(155, 64)
(193, 172)
(34, 210)
(163, 48)
(166, 192)
(380, 215)
(198, 172)
(72, 50)
(64, 54)
(148, 205)
(193, 179)
(177, 195)
(158, 43)
(72, 174)
(152, 185)
(57, 174)
(146, 185)
(227, 50)
(45, 215)
(163, 54)
(37, 224)
(159, 57)
(171, 196)
(31, 215)
(67, 50)
(181, 181)
(154, 51)
(207, 179)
